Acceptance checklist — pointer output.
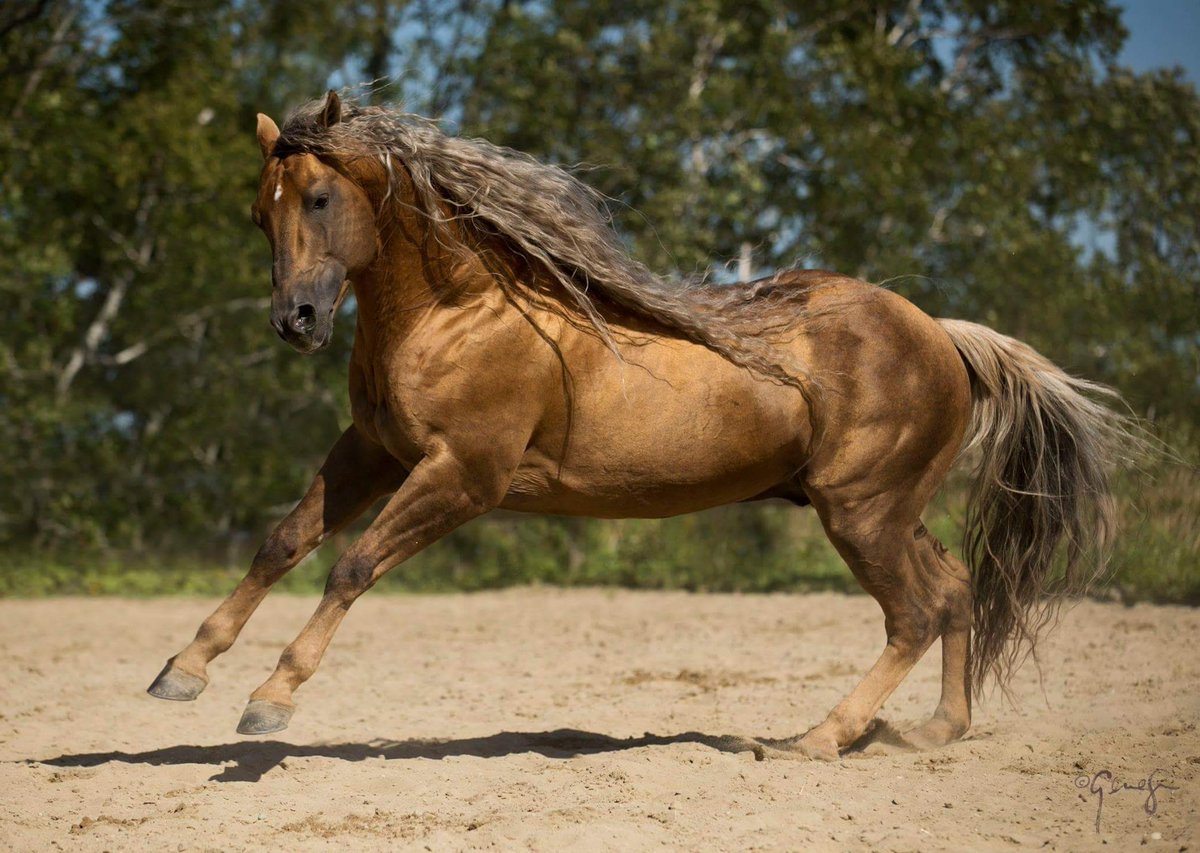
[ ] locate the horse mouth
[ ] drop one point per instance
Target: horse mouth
(310, 344)
(309, 347)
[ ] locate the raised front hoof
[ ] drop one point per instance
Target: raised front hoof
(262, 718)
(176, 685)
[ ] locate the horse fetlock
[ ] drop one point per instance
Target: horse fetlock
(296, 666)
(215, 637)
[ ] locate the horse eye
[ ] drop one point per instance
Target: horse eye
(321, 202)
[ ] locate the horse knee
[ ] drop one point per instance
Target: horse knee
(276, 552)
(283, 548)
(350, 577)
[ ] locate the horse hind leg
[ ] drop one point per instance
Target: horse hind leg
(924, 593)
(951, 584)
(886, 560)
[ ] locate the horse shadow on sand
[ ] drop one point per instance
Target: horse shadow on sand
(249, 761)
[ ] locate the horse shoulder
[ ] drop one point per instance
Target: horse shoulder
(472, 377)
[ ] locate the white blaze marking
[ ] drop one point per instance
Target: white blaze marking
(278, 190)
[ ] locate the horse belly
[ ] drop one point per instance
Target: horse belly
(643, 449)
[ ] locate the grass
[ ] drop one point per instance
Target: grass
(737, 548)
(734, 548)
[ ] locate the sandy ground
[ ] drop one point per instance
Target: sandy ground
(550, 719)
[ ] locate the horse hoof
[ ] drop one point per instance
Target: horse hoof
(934, 733)
(262, 718)
(818, 747)
(176, 685)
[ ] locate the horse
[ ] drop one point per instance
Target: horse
(509, 353)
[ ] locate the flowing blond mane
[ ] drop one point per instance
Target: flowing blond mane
(562, 226)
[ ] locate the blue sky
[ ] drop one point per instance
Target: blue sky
(1163, 33)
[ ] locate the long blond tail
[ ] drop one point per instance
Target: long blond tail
(1047, 448)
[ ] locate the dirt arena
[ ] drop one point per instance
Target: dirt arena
(583, 719)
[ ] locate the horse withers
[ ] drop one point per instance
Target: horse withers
(509, 353)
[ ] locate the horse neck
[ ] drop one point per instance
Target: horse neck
(415, 274)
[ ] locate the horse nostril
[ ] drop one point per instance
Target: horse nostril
(305, 320)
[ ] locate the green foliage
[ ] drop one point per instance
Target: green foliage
(1157, 553)
(740, 549)
(990, 160)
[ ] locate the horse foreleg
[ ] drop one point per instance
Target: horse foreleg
(437, 497)
(354, 475)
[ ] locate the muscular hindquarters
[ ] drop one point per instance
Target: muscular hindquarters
(890, 435)
(896, 405)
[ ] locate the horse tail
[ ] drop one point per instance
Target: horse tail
(1042, 488)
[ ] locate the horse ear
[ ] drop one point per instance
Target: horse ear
(268, 133)
(331, 113)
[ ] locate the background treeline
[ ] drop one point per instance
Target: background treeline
(992, 161)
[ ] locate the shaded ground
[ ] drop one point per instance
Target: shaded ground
(586, 719)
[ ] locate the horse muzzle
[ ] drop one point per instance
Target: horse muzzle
(304, 317)
(301, 327)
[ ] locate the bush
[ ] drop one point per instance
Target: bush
(745, 548)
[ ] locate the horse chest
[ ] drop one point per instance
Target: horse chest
(386, 423)
(399, 434)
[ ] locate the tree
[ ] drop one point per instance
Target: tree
(140, 393)
(989, 160)
(992, 155)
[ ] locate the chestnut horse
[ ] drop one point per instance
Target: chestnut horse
(508, 353)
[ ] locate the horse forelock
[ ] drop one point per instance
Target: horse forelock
(554, 222)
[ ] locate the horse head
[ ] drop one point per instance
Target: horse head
(321, 226)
